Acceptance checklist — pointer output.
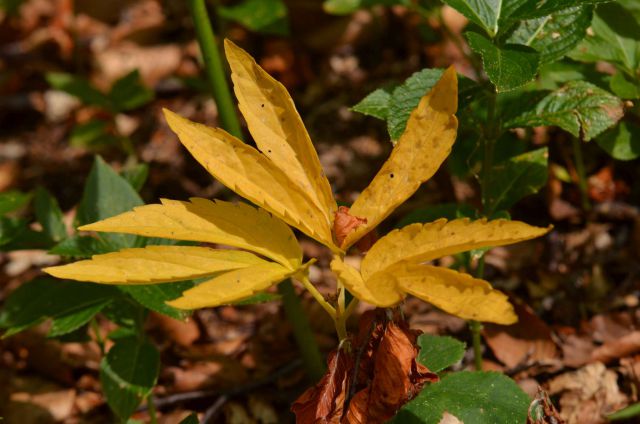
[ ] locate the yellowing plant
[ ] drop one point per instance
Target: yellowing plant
(284, 178)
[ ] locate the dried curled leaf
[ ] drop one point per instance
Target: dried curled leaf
(277, 128)
(233, 224)
(155, 264)
(252, 175)
(425, 242)
(425, 144)
(232, 286)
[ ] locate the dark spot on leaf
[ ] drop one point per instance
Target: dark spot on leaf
(391, 175)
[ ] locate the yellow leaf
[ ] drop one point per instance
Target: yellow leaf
(426, 242)
(233, 224)
(454, 292)
(424, 145)
(155, 264)
(232, 286)
(252, 175)
(277, 128)
(380, 293)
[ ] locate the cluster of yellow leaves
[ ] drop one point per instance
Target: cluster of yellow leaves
(284, 178)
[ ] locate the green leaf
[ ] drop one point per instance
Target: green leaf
(49, 215)
(191, 419)
(509, 66)
(439, 352)
(129, 93)
(128, 373)
(405, 97)
(136, 175)
(154, 296)
(513, 179)
(107, 194)
(485, 13)
(433, 212)
(92, 134)
(625, 413)
(11, 228)
(621, 142)
(81, 247)
(78, 87)
(553, 35)
(579, 107)
(376, 104)
(259, 298)
(13, 200)
(265, 16)
(530, 9)
(624, 86)
(66, 302)
(472, 397)
(345, 7)
(616, 37)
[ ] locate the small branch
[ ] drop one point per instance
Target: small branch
(318, 297)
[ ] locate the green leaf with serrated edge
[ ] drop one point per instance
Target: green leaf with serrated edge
(265, 16)
(472, 397)
(80, 88)
(154, 296)
(579, 107)
(136, 175)
(553, 35)
(615, 37)
(13, 200)
(107, 194)
(92, 134)
(624, 86)
(433, 212)
(129, 93)
(531, 9)
(191, 419)
(81, 247)
(621, 142)
(485, 13)
(376, 104)
(405, 97)
(439, 352)
(49, 215)
(44, 298)
(67, 323)
(509, 66)
(516, 178)
(128, 373)
(259, 298)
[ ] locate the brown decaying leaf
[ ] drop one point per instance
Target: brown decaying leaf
(379, 370)
(542, 410)
(344, 223)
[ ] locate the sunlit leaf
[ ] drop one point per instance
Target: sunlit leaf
(252, 175)
(232, 286)
(431, 128)
(155, 264)
(424, 242)
(439, 352)
(233, 224)
(277, 127)
(265, 16)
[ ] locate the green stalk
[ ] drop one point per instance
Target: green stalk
(582, 175)
(151, 406)
(214, 68)
(302, 331)
(216, 73)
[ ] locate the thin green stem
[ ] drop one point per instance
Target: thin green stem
(214, 68)
(318, 296)
(302, 331)
(489, 141)
(99, 339)
(151, 406)
(476, 340)
(582, 175)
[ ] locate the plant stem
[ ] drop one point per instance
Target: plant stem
(582, 175)
(476, 340)
(302, 331)
(318, 296)
(213, 66)
(151, 406)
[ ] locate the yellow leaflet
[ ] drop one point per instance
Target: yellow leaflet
(353, 281)
(155, 264)
(252, 175)
(424, 145)
(233, 224)
(454, 292)
(277, 128)
(232, 286)
(425, 242)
